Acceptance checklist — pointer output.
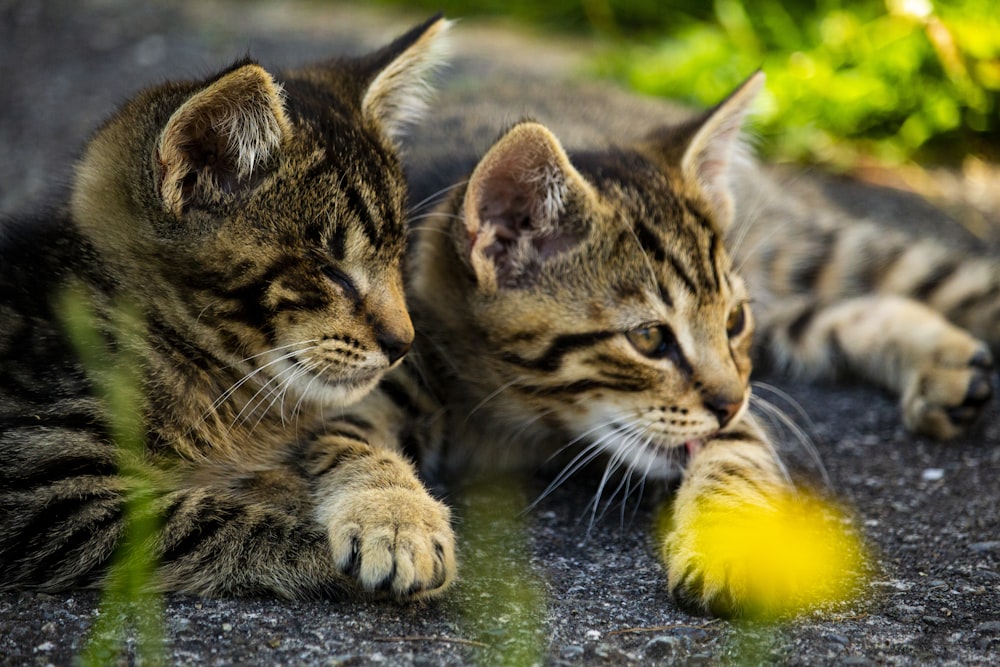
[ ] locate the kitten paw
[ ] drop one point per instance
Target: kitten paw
(730, 557)
(395, 540)
(692, 588)
(944, 398)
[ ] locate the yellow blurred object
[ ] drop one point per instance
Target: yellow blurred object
(794, 554)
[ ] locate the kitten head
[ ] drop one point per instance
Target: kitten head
(594, 293)
(261, 218)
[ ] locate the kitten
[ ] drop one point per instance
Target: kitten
(569, 305)
(254, 225)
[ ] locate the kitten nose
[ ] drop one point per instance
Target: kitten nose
(393, 345)
(723, 407)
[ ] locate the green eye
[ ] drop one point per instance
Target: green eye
(654, 342)
(737, 320)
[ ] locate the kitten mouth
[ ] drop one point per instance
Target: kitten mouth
(354, 380)
(693, 447)
(689, 450)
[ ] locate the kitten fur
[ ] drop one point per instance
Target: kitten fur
(596, 302)
(255, 224)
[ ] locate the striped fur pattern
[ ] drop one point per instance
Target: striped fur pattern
(908, 314)
(571, 307)
(255, 222)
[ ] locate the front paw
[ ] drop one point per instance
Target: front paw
(730, 557)
(397, 540)
(948, 392)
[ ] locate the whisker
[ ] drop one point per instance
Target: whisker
(774, 412)
(645, 475)
(246, 378)
(615, 462)
(435, 197)
(584, 457)
(296, 410)
(280, 390)
(785, 396)
(431, 215)
(491, 396)
(256, 401)
(626, 446)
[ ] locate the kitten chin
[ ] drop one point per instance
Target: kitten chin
(328, 391)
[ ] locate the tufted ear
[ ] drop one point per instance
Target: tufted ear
(398, 76)
(717, 145)
(514, 206)
(216, 140)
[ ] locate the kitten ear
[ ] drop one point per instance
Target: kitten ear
(717, 145)
(398, 76)
(216, 139)
(514, 204)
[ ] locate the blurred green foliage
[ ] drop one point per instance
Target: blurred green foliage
(129, 625)
(503, 603)
(896, 80)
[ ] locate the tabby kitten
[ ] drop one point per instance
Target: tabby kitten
(255, 223)
(573, 306)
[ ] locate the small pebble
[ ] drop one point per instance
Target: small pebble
(660, 647)
(990, 627)
(932, 474)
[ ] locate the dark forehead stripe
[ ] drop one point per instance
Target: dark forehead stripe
(671, 229)
(581, 387)
(649, 241)
(359, 207)
(698, 244)
(678, 268)
(715, 245)
(714, 251)
(361, 172)
(552, 358)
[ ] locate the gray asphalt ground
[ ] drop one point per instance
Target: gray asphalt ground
(928, 511)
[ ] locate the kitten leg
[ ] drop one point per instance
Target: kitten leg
(250, 535)
(734, 470)
(941, 372)
(217, 531)
(384, 527)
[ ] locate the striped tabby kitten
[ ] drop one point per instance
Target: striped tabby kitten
(574, 305)
(255, 223)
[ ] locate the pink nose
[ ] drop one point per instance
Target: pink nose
(723, 407)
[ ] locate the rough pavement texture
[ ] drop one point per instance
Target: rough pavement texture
(929, 511)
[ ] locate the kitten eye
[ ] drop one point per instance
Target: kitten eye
(342, 280)
(654, 342)
(737, 320)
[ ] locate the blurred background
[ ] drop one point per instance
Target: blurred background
(852, 84)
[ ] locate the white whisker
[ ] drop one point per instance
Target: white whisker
(436, 197)
(278, 392)
(249, 376)
(621, 457)
(491, 396)
(583, 457)
(774, 412)
(268, 389)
